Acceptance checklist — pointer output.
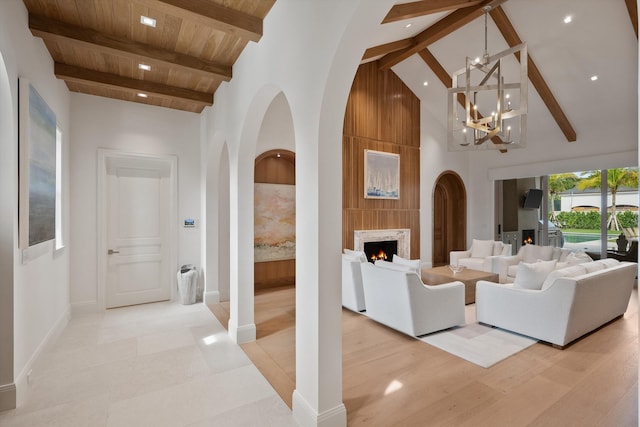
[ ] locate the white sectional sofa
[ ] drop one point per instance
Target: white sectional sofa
(481, 255)
(352, 292)
(400, 300)
(507, 266)
(571, 301)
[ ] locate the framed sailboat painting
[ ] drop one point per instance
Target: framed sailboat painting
(381, 175)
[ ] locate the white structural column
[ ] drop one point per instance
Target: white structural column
(242, 328)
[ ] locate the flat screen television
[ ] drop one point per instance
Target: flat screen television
(532, 199)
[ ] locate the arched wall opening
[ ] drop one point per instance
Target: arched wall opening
(449, 217)
(8, 195)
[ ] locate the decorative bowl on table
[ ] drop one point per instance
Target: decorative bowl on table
(456, 268)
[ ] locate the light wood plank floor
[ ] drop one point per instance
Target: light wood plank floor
(593, 382)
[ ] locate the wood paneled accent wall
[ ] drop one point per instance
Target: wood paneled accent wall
(271, 169)
(382, 114)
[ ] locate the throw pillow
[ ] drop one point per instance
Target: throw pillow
(360, 254)
(593, 266)
(532, 275)
(481, 248)
(414, 264)
(572, 271)
(497, 248)
(545, 252)
(578, 258)
(609, 262)
(394, 266)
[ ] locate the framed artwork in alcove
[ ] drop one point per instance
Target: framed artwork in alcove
(381, 175)
(37, 167)
(275, 222)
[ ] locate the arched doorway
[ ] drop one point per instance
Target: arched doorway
(449, 217)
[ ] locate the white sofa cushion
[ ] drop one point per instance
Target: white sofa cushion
(481, 248)
(532, 275)
(360, 254)
(413, 263)
(571, 271)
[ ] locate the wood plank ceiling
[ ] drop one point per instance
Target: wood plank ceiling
(97, 46)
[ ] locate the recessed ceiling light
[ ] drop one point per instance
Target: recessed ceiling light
(145, 20)
(144, 67)
(568, 19)
(143, 95)
(425, 83)
(408, 25)
(594, 78)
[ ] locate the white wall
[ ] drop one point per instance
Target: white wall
(135, 128)
(41, 287)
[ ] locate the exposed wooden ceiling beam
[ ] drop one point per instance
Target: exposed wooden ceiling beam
(386, 48)
(111, 81)
(511, 36)
(212, 15)
(447, 81)
(632, 7)
(424, 7)
(440, 29)
(51, 29)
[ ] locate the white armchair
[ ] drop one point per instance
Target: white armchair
(481, 255)
(400, 300)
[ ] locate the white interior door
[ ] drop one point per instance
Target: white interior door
(138, 192)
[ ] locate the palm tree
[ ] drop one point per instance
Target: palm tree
(557, 184)
(616, 179)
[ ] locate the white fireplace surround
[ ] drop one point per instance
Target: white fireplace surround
(402, 235)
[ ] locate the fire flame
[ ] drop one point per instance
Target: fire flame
(380, 255)
(528, 241)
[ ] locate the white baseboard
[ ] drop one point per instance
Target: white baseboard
(212, 297)
(22, 384)
(7, 396)
(306, 416)
(242, 334)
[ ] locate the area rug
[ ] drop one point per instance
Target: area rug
(483, 345)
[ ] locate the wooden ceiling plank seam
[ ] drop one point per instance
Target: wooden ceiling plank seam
(403, 11)
(47, 28)
(535, 76)
(113, 81)
(213, 15)
(447, 81)
(445, 26)
(632, 8)
(386, 48)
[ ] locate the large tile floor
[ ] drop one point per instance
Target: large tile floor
(161, 364)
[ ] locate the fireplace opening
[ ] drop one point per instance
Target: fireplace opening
(381, 250)
(528, 237)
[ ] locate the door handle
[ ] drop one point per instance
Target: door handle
(111, 252)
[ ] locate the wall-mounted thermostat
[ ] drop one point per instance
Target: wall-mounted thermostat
(189, 223)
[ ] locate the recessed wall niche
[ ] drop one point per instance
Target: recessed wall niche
(275, 167)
